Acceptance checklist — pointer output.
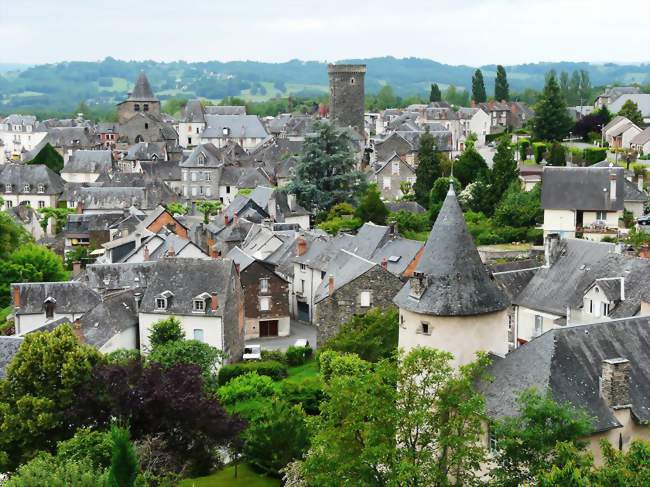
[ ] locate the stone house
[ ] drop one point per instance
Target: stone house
(220, 130)
(390, 174)
(266, 296)
(34, 185)
(353, 286)
(392, 144)
(19, 134)
(85, 166)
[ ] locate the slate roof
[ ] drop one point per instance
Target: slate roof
(116, 313)
(89, 222)
(142, 89)
(71, 297)
(514, 281)
(121, 197)
(9, 346)
(551, 288)
(18, 175)
(642, 100)
(642, 138)
(193, 112)
(212, 156)
(145, 151)
(240, 126)
(89, 161)
(112, 277)
(161, 170)
(581, 188)
(344, 267)
(225, 110)
(240, 257)
(410, 206)
(457, 282)
(567, 362)
(213, 275)
(631, 192)
(398, 252)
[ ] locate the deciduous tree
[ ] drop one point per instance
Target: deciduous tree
(630, 110)
(371, 208)
(428, 169)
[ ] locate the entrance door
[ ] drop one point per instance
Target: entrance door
(269, 328)
(303, 311)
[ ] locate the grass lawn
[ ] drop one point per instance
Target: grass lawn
(246, 477)
(302, 372)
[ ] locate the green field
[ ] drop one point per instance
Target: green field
(246, 477)
(119, 84)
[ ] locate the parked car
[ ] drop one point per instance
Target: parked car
(644, 220)
(252, 352)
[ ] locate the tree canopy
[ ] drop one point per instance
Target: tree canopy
(478, 87)
(49, 157)
(630, 110)
(371, 208)
(428, 169)
(551, 120)
(435, 94)
(501, 88)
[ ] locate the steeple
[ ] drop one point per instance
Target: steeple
(142, 89)
(450, 279)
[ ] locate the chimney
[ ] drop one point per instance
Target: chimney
(384, 263)
(137, 299)
(551, 248)
(393, 228)
(291, 201)
(76, 268)
(16, 296)
(80, 207)
(330, 285)
(644, 252)
(640, 183)
(235, 219)
(138, 239)
(302, 246)
(612, 186)
(418, 285)
(615, 382)
(171, 252)
(76, 328)
(226, 220)
(214, 253)
(146, 252)
(214, 302)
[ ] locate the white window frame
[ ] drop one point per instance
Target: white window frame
(394, 169)
(27, 188)
(265, 285)
(41, 188)
(161, 303)
(199, 334)
(387, 182)
(539, 325)
(265, 303)
(365, 299)
(198, 306)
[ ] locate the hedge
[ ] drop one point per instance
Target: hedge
(523, 146)
(298, 355)
(539, 148)
(592, 155)
(271, 368)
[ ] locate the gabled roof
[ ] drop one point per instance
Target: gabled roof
(457, 282)
(642, 138)
(116, 313)
(204, 155)
(111, 277)
(240, 258)
(344, 268)
(567, 362)
(142, 89)
(581, 188)
(631, 192)
(71, 297)
(238, 126)
(18, 175)
(89, 161)
(9, 346)
(410, 206)
(193, 112)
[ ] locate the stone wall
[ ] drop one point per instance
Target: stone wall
(335, 310)
(347, 95)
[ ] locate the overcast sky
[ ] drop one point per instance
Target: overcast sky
(473, 32)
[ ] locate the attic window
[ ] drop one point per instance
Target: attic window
(41, 188)
(161, 303)
(8, 188)
(27, 188)
(352, 81)
(136, 107)
(198, 303)
(201, 159)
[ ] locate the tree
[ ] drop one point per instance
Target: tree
(60, 216)
(124, 463)
(50, 471)
(551, 120)
(428, 169)
(526, 443)
(276, 437)
(12, 235)
(191, 352)
(435, 94)
(630, 110)
(49, 157)
(504, 168)
(386, 98)
(372, 336)
(501, 88)
(564, 87)
(371, 208)
(478, 87)
(469, 165)
(326, 175)
(165, 331)
(42, 381)
(208, 208)
(584, 92)
(520, 208)
(557, 155)
(176, 208)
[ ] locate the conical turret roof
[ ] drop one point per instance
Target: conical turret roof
(142, 89)
(455, 279)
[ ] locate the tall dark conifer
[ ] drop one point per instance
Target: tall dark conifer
(478, 87)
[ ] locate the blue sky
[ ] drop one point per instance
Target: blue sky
(472, 32)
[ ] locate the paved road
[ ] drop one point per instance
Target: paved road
(299, 329)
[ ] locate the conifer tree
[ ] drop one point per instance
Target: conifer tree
(478, 87)
(124, 463)
(501, 88)
(428, 169)
(551, 121)
(435, 94)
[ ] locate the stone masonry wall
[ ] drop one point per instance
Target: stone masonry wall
(347, 95)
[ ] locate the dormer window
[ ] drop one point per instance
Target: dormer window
(161, 303)
(8, 188)
(41, 188)
(27, 188)
(199, 303)
(162, 300)
(201, 159)
(49, 305)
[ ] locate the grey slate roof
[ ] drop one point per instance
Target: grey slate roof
(161, 170)
(142, 89)
(514, 281)
(240, 126)
(71, 297)
(581, 188)
(193, 112)
(145, 151)
(116, 313)
(89, 161)
(567, 362)
(225, 110)
(344, 268)
(111, 277)
(458, 284)
(240, 257)
(410, 206)
(642, 138)
(9, 346)
(209, 153)
(89, 222)
(18, 175)
(631, 192)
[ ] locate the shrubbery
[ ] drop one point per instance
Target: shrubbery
(245, 387)
(298, 355)
(271, 368)
(308, 393)
(276, 355)
(592, 155)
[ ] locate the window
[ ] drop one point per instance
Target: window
(198, 334)
(539, 325)
(27, 188)
(264, 285)
(265, 303)
(185, 191)
(201, 159)
(493, 444)
(145, 107)
(601, 215)
(208, 191)
(227, 189)
(41, 204)
(161, 303)
(302, 286)
(352, 81)
(605, 309)
(8, 188)
(198, 305)
(591, 306)
(184, 175)
(136, 107)
(322, 274)
(208, 176)
(395, 168)
(9, 204)
(49, 307)
(387, 182)
(193, 176)
(365, 299)
(424, 328)
(189, 140)
(194, 191)
(41, 188)
(146, 126)
(303, 267)
(197, 130)
(401, 321)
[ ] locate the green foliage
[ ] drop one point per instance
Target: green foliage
(523, 146)
(192, 352)
(372, 336)
(41, 382)
(520, 208)
(246, 387)
(333, 364)
(435, 94)
(49, 157)
(307, 393)
(539, 149)
(275, 370)
(326, 173)
(124, 463)
(298, 355)
(628, 218)
(174, 106)
(60, 216)
(551, 121)
(525, 443)
(557, 155)
(469, 166)
(630, 110)
(340, 224)
(505, 171)
(12, 235)
(478, 87)
(371, 208)
(637, 238)
(428, 169)
(277, 437)
(276, 355)
(208, 208)
(176, 208)
(46, 470)
(501, 87)
(87, 446)
(438, 195)
(640, 170)
(122, 356)
(456, 97)
(408, 222)
(165, 331)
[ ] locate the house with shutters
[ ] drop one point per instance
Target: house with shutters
(390, 174)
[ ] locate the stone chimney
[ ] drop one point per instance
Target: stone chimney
(145, 252)
(644, 252)
(214, 253)
(615, 382)
(80, 207)
(612, 186)
(301, 246)
(226, 220)
(76, 268)
(384, 263)
(418, 285)
(214, 302)
(330, 285)
(551, 249)
(235, 219)
(171, 252)
(16, 296)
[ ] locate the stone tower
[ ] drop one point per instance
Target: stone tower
(140, 100)
(347, 95)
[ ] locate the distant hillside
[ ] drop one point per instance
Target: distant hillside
(61, 86)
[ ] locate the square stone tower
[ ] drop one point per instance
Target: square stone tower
(347, 95)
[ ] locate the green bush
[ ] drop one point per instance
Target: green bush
(271, 368)
(592, 155)
(340, 364)
(308, 393)
(245, 387)
(298, 355)
(87, 446)
(522, 147)
(122, 356)
(340, 224)
(276, 355)
(539, 149)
